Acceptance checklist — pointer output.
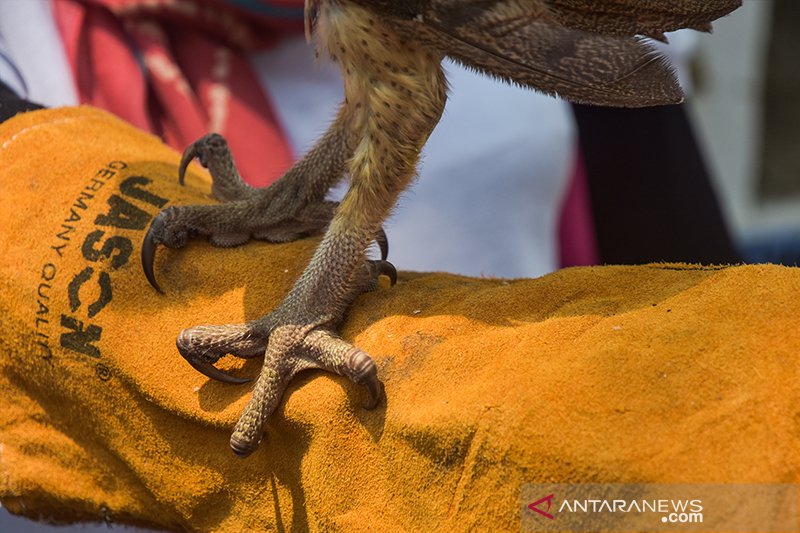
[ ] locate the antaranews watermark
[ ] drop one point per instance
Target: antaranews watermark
(660, 507)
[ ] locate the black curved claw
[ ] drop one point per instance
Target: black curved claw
(374, 388)
(385, 268)
(383, 243)
(149, 247)
(209, 370)
(188, 155)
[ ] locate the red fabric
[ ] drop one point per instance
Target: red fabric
(577, 245)
(179, 69)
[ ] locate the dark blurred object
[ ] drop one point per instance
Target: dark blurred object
(650, 191)
(11, 104)
(780, 158)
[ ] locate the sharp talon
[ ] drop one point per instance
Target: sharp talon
(387, 269)
(209, 370)
(187, 349)
(188, 155)
(374, 388)
(149, 247)
(365, 373)
(383, 243)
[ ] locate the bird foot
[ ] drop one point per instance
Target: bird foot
(293, 348)
(291, 343)
(298, 334)
(275, 214)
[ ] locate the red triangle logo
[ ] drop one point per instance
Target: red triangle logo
(535, 506)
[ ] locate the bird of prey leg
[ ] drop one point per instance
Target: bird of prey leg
(390, 53)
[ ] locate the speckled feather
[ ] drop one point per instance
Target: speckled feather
(586, 51)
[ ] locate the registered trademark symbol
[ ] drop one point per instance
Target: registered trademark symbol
(103, 372)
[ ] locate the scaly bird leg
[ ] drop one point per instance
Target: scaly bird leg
(395, 93)
(291, 208)
(390, 132)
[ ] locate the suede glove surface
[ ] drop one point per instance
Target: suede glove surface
(656, 373)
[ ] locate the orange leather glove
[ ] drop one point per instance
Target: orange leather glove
(658, 373)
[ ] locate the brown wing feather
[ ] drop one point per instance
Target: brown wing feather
(582, 50)
(614, 17)
(579, 66)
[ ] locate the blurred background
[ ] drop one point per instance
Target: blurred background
(744, 107)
